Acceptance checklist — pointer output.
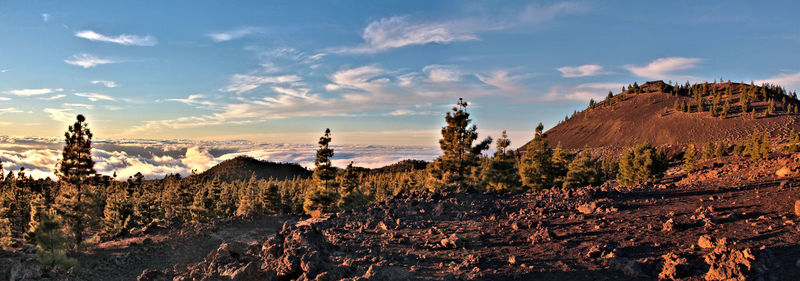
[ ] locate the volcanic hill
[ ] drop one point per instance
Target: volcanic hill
(243, 167)
(666, 115)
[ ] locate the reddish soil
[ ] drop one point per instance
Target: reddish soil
(160, 248)
(638, 117)
(743, 211)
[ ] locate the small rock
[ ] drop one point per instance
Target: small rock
(588, 208)
(675, 267)
(705, 242)
(668, 225)
(797, 207)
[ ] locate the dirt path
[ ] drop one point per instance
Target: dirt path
(125, 259)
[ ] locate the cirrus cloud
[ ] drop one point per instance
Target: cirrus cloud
(122, 39)
(87, 60)
(580, 71)
(663, 68)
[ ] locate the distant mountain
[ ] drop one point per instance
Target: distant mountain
(648, 113)
(243, 167)
(402, 166)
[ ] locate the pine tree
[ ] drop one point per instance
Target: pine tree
(535, 168)
(118, 213)
(726, 108)
(708, 150)
(501, 174)
(560, 162)
(247, 203)
(610, 168)
(690, 158)
(350, 196)
(52, 243)
(6, 214)
(583, 171)
(324, 171)
(640, 164)
(721, 149)
(74, 202)
(451, 170)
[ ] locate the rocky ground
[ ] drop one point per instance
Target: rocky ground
(729, 220)
(719, 224)
(159, 245)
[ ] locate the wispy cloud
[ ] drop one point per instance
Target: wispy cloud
(580, 71)
(107, 84)
(87, 60)
(122, 39)
(87, 106)
(663, 68)
(502, 80)
(10, 110)
(240, 83)
(787, 80)
(580, 93)
(63, 115)
(233, 34)
(195, 100)
(442, 73)
(400, 31)
(33, 92)
(535, 13)
(95, 96)
(54, 97)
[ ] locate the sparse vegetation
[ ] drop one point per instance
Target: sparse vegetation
(640, 164)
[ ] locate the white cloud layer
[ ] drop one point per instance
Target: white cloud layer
(155, 159)
(663, 68)
(122, 39)
(580, 71)
(87, 60)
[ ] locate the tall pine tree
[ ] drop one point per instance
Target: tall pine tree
(452, 169)
(324, 172)
(75, 172)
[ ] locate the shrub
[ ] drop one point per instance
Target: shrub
(642, 163)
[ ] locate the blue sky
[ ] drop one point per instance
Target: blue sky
(375, 72)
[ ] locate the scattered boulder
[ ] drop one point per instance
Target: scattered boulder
(675, 267)
(705, 242)
(797, 207)
(451, 242)
(668, 225)
(783, 172)
(729, 264)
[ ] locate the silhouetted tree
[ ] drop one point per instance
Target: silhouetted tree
(75, 199)
(324, 171)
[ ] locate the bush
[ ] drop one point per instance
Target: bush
(642, 163)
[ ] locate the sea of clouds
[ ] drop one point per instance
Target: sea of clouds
(157, 158)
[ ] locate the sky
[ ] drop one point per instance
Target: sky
(376, 72)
